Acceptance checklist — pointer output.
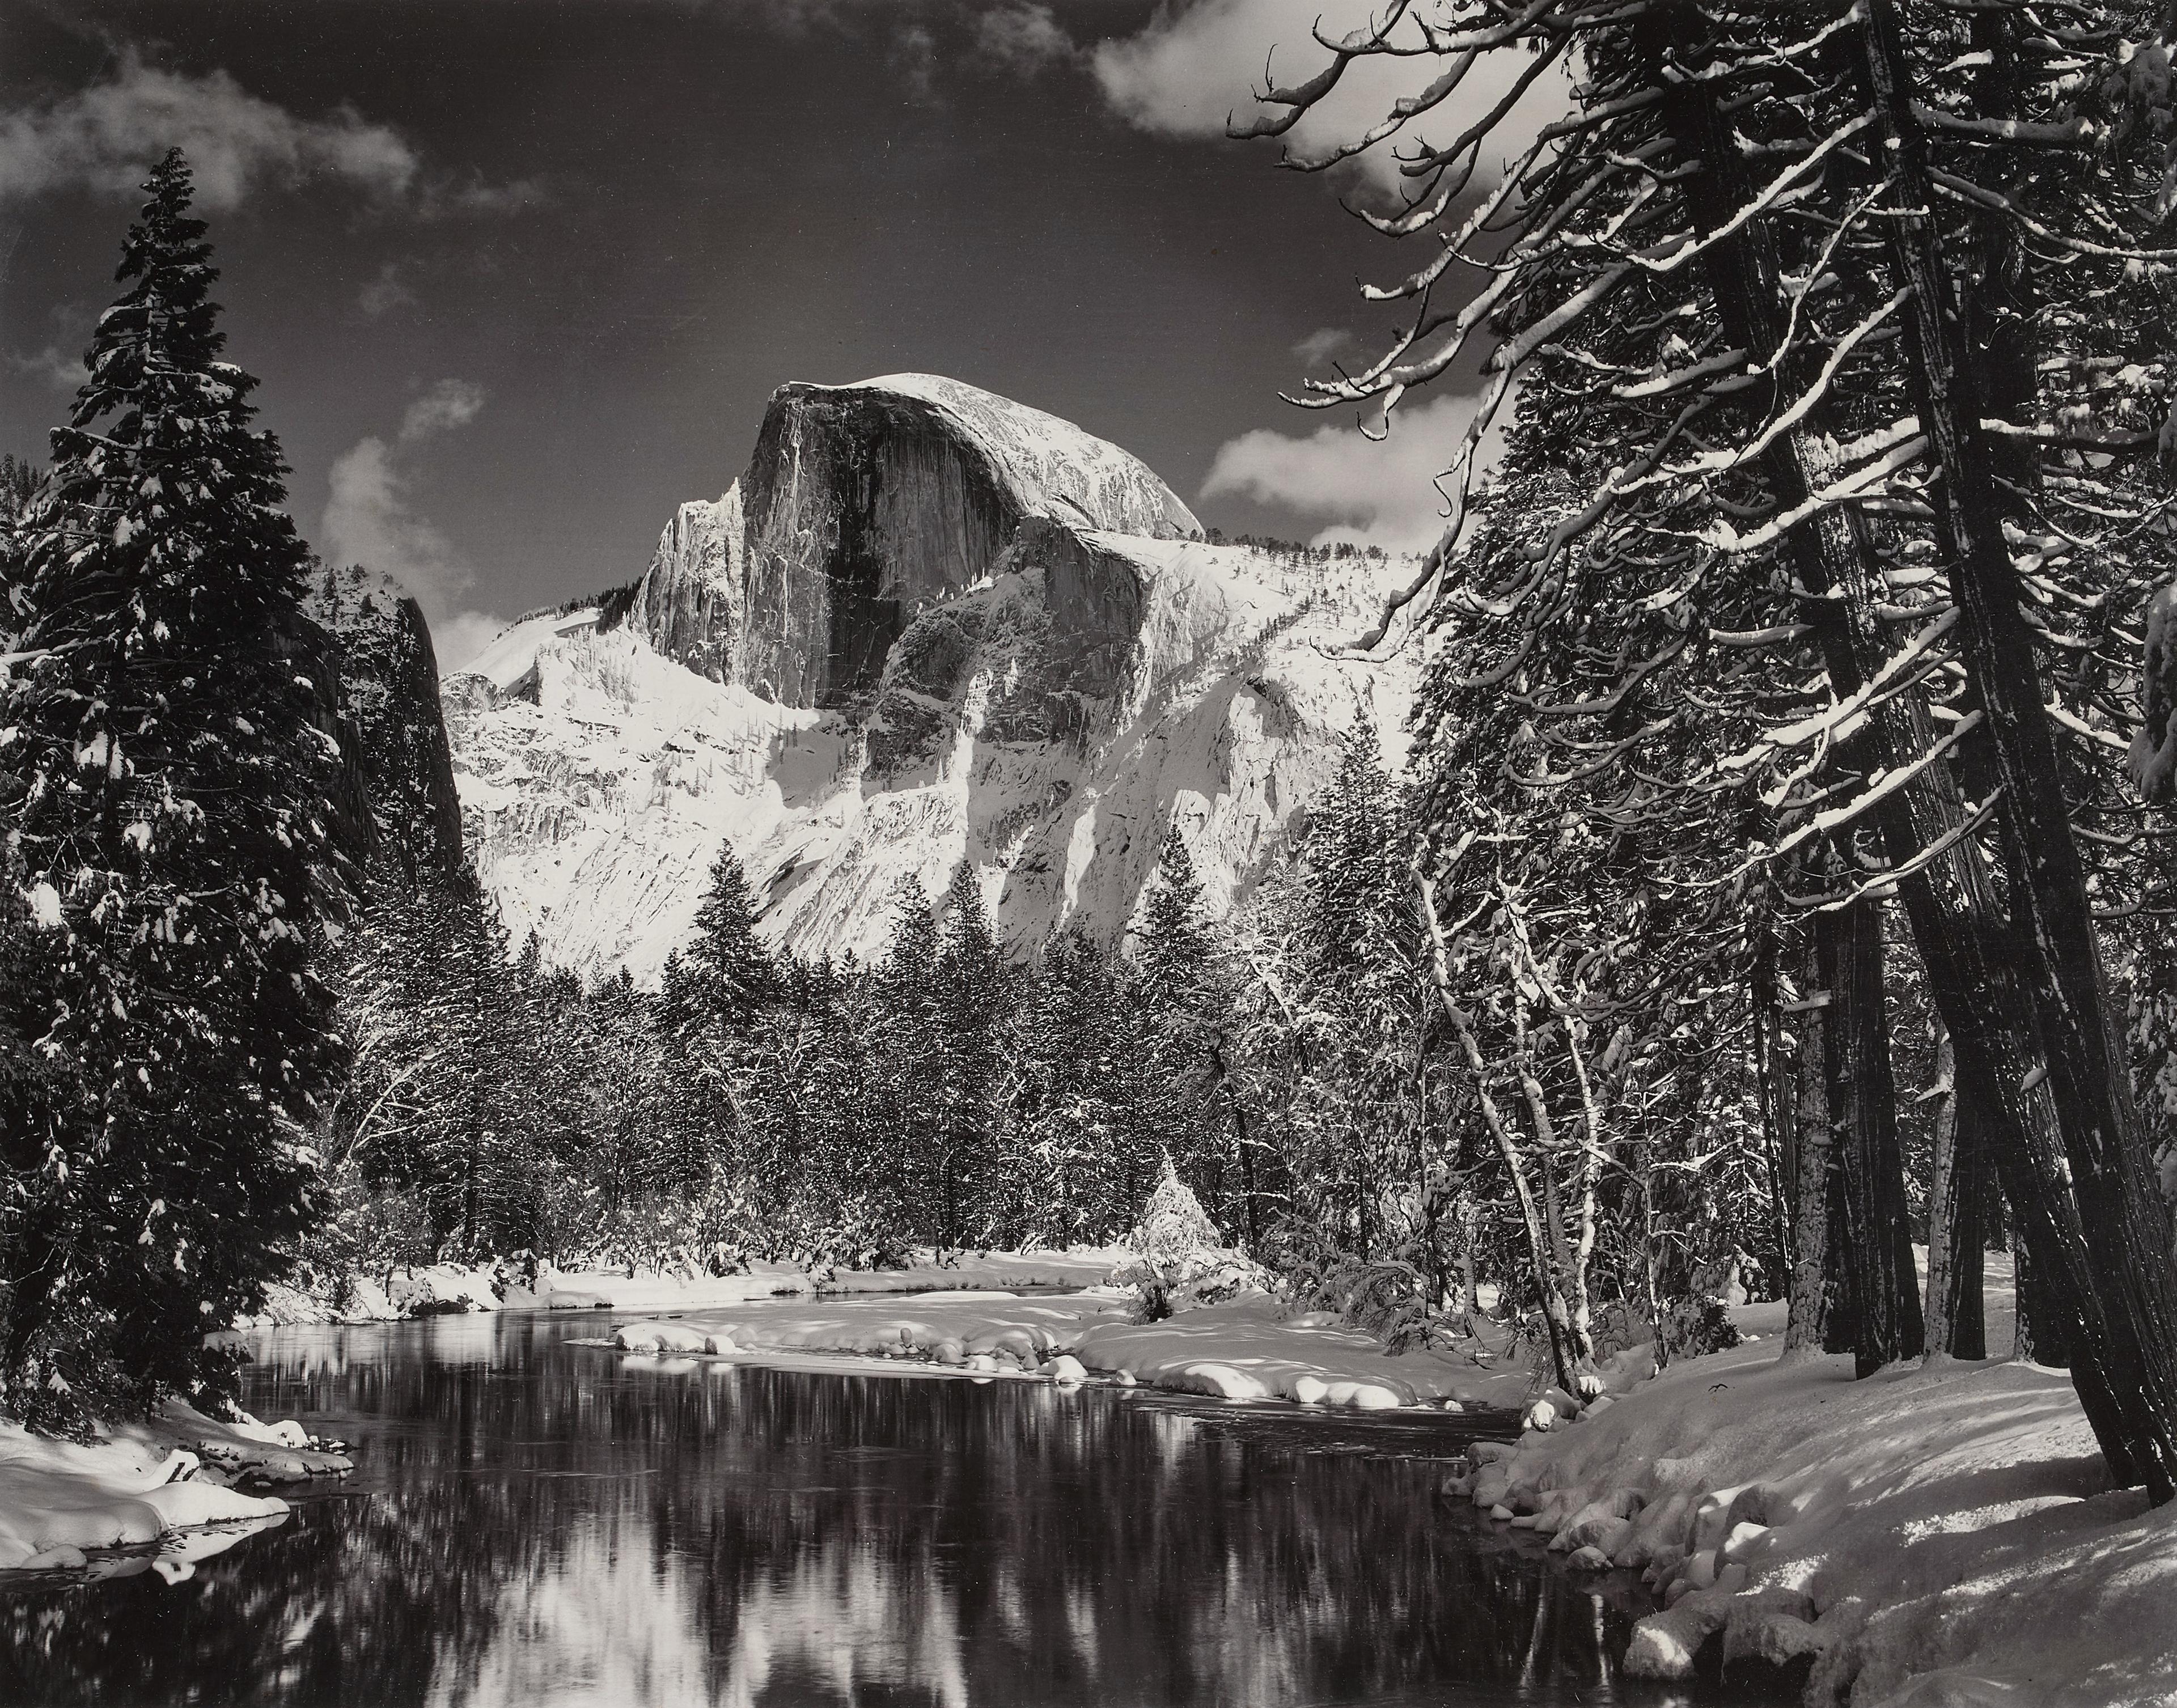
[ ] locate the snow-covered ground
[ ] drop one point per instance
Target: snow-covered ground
(168, 1484)
(436, 1289)
(1249, 1348)
(1942, 1533)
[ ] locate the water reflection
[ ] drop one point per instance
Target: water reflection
(537, 1523)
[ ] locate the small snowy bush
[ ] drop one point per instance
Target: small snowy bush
(1179, 1260)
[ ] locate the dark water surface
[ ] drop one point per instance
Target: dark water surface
(532, 1522)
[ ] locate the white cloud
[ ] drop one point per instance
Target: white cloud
(913, 59)
(106, 137)
(449, 404)
(1196, 62)
(370, 519)
(1324, 344)
(1022, 38)
(1372, 492)
(387, 291)
(61, 369)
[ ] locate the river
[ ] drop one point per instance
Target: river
(536, 1523)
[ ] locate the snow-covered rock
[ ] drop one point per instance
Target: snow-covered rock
(441, 1289)
(1941, 1533)
(927, 625)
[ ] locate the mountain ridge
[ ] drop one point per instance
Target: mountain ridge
(927, 625)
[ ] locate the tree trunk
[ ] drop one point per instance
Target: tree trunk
(1567, 1353)
(1975, 966)
(2128, 1329)
(1957, 1197)
(2039, 1336)
(1878, 1242)
(1778, 1144)
(1807, 1316)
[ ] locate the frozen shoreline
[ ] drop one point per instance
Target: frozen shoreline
(1938, 1533)
(1248, 1349)
(445, 1288)
(168, 1483)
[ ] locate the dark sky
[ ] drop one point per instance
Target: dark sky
(590, 237)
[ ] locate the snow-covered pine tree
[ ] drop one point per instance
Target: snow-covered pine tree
(910, 1063)
(731, 969)
(1194, 1106)
(19, 484)
(1080, 1165)
(975, 988)
(1172, 945)
(167, 790)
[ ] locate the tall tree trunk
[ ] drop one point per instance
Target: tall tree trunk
(1567, 1355)
(1779, 1141)
(1878, 1242)
(1966, 941)
(1806, 1325)
(2129, 1317)
(1957, 1198)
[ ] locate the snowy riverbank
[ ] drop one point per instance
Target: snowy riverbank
(171, 1482)
(1249, 1348)
(1936, 1534)
(442, 1289)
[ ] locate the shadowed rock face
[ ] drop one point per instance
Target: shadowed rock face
(689, 605)
(381, 676)
(865, 502)
(927, 627)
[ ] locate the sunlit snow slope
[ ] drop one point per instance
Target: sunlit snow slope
(927, 625)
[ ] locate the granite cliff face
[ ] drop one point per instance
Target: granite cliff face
(927, 625)
(378, 692)
(689, 604)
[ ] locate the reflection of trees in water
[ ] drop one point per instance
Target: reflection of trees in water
(667, 1529)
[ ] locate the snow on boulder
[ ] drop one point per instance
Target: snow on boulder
(1221, 1381)
(661, 1337)
(435, 1290)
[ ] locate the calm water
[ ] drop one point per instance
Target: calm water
(532, 1522)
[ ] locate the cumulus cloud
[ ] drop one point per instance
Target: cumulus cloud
(1371, 492)
(1022, 38)
(387, 291)
(106, 138)
(61, 370)
(370, 518)
(1197, 61)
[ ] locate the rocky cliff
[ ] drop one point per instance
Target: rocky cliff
(926, 626)
(381, 686)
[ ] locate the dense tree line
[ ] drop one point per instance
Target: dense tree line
(1828, 342)
(948, 1096)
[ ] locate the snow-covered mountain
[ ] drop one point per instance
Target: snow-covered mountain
(927, 625)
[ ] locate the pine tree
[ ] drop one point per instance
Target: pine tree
(974, 992)
(734, 971)
(1170, 944)
(910, 1065)
(1196, 1113)
(18, 485)
(168, 793)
